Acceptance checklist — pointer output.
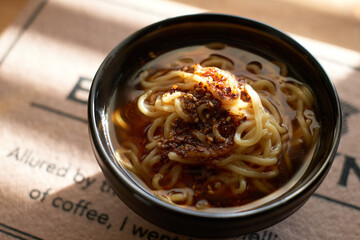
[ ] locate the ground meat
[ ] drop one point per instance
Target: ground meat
(185, 143)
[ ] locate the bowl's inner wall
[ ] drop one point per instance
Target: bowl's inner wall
(128, 57)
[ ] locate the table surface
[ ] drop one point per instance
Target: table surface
(335, 22)
(9, 10)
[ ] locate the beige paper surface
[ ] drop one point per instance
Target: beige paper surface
(47, 60)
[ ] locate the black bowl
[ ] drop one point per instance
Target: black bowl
(132, 53)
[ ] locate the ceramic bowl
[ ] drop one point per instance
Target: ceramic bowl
(131, 54)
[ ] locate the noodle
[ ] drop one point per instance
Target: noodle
(227, 128)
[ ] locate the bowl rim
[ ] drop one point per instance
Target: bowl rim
(122, 176)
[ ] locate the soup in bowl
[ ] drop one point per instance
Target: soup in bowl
(213, 125)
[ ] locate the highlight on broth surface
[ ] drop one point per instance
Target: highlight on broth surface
(215, 126)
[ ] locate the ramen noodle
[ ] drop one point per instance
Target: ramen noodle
(215, 126)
